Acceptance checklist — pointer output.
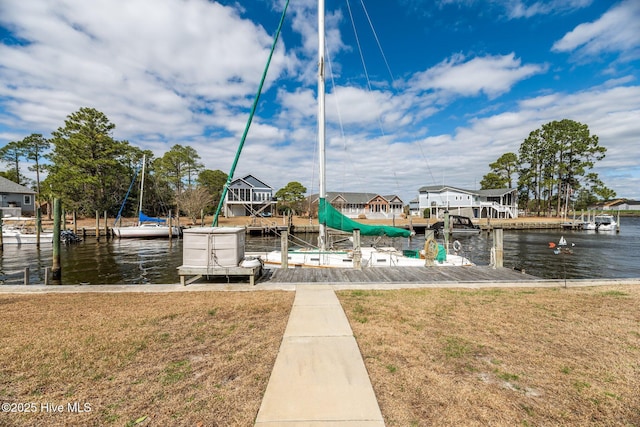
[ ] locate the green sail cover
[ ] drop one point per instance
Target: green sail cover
(329, 216)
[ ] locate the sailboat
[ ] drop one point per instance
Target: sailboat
(146, 227)
(329, 217)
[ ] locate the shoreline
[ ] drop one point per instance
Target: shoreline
(305, 224)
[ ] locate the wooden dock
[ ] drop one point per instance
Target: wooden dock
(389, 275)
(220, 273)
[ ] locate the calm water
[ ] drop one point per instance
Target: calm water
(130, 261)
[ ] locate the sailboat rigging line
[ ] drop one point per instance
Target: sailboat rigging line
(351, 162)
(364, 65)
(295, 239)
(144, 166)
(253, 110)
(126, 196)
(355, 33)
(393, 79)
(375, 35)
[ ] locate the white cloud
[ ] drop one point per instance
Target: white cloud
(490, 75)
(521, 9)
(155, 63)
(618, 30)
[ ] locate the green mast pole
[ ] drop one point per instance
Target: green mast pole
(225, 189)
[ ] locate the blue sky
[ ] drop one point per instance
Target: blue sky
(447, 86)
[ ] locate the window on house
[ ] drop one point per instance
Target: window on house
(27, 200)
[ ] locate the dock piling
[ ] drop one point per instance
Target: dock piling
(357, 253)
(498, 235)
(56, 269)
(284, 249)
(106, 226)
(97, 226)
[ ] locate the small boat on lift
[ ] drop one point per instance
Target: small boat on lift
(604, 222)
(459, 226)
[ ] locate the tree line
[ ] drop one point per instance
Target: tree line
(553, 169)
(90, 171)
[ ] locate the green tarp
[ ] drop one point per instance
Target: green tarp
(329, 216)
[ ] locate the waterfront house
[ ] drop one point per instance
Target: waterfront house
(249, 196)
(617, 205)
(434, 200)
(16, 199)
(362, 205)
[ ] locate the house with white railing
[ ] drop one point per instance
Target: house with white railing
(248, 196)
(498, 203)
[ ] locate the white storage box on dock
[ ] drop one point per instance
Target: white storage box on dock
(212, 247)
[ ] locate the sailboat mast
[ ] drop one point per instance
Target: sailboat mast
(144, 164)
(321, 119)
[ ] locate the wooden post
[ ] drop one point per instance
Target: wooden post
(446, 231)
(428, 234)
(498, 234)
(38, 227)
(284, 249)
(170, 222)
(75, 223)
(26, 276)
(357, 251)
(97, 226)
(106, 226)
(1, 241)
(56, 269)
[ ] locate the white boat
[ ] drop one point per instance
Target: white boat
(18, 231)
(604, 222)
(145, 230)
(329, 217)
(146, 227)
(370, 257)
(19, 237)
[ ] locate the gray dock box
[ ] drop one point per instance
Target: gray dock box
(211, 247)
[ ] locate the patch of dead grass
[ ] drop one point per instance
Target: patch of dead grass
(201, 358)
(501, 356)
(435, 356)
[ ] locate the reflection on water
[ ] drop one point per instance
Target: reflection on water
(133, 261)
(128, 261)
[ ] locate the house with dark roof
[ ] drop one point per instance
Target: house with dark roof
(497, 203)
(248, 196)
(16, 199)
(359, 205)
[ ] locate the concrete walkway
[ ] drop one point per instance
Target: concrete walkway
(319, 377)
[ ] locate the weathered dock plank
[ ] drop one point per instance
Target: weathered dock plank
(398, 275)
